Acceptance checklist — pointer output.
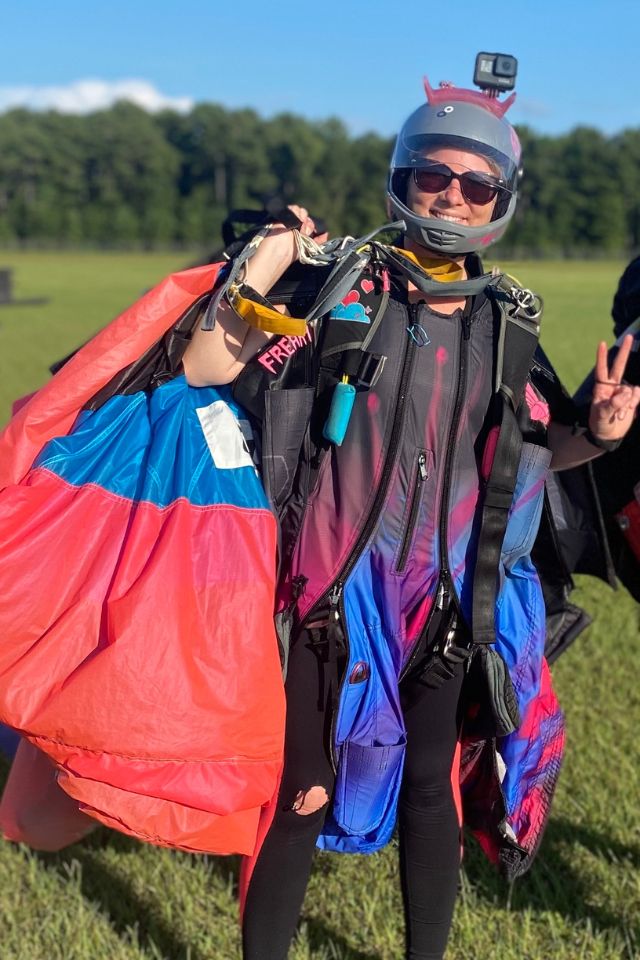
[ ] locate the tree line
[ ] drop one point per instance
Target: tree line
(124, 178)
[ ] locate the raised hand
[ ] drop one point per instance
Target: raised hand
(277, 252)
(217, 356)
(614, 402)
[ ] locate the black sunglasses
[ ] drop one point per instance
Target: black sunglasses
(476, 187)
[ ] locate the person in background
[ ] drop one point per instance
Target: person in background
(617, 475)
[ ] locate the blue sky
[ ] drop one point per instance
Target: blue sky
(579, 62)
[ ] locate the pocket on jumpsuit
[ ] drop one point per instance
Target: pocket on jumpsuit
(368, 775)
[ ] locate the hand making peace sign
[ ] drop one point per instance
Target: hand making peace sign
(614, 402)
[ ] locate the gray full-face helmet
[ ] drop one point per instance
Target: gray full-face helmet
(465, 120)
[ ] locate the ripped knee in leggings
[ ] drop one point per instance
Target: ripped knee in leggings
(309, 801)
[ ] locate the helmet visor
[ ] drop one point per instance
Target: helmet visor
(417, 151)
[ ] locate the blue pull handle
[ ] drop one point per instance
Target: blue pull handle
(335, 429)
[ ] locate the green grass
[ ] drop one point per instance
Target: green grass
(113, 899)
(577, 309)
(83, 291)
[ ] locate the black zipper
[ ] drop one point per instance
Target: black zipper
(339, 614)
(445, 592)
(334, 596)
(421, 474)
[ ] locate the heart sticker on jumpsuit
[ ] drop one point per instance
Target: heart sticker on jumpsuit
(350, 309)
(352, 297)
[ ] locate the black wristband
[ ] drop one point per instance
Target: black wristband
(250, 294)
(607, 445)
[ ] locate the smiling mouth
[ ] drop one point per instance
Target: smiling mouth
(439, 215)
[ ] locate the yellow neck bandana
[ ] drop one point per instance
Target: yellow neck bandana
(443, 270)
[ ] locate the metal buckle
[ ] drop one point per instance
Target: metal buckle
(528, 304)
(451, 650)
(369, 371)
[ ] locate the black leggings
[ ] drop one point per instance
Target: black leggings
(428, 820)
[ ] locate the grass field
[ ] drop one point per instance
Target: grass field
(113, 899)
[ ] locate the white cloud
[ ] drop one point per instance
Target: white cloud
(84, 96)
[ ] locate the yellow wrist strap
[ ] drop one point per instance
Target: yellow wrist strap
(264, 318)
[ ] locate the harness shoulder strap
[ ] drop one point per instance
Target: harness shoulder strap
(518, 313)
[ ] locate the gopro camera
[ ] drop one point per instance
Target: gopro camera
(495, 71)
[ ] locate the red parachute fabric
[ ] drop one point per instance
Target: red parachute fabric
(52, 411)
(138, 647)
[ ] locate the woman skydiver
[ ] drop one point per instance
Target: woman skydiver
(388, 685)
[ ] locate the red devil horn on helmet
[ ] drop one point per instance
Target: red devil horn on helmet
(446, 92)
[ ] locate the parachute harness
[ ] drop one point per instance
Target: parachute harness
(350, 256)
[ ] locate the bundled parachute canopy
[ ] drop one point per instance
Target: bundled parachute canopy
(137, 572)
